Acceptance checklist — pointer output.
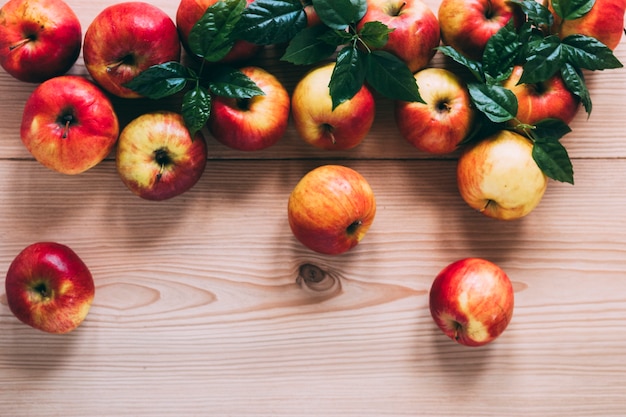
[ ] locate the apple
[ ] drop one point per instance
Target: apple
(315, 120)
(252, 124)
(125, 39)
(446, 118)
(549, 99)
(605, 22)
(39, 39)
(49, 287)
(157, 158)
(498, 176)
(467, 25)
(189, 13)
(68, 124)
(471, 300)
(415, 27)
(331, 208)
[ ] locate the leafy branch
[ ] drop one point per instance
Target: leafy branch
(542, 56)
(210, 39)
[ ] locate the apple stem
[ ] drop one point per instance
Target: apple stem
(329, 130)
(20, 43)
(457, 330)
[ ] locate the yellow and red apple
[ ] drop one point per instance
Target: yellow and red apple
(68, 124)
(331, 208)
(49, 287)
(498, 176)
(444, 119)
(471, 300)
(254, 123)
(318, 124)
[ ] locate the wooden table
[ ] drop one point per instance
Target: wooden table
(199, 310)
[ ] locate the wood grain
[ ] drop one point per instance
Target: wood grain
(203, 306)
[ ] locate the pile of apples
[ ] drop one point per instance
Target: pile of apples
(70, 125)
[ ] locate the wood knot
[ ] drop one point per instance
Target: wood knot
(313, 278)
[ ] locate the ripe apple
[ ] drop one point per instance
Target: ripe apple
(318, 124)
(415, 29)
(68, 124)
(467, 25)
(125, 39)
(331, 208)
(605, 22)
(188, 14)
(157, 158)
(549, 99)
(39, 39)
(446, 118)
(498, 176)
(471, 301)
(49, 287)
(252, 124)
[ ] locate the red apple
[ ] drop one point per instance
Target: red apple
(549, 99)
(188, 14)
(39, 39)
(331, 208)
(157, 158)
(499, 177)
(125, 39)
(471, 301)
(440, 124)
(69, 125)
(318, 124)
(252, 124)
(49, 287)
(415, 29)
(605, 22)
(467, 25)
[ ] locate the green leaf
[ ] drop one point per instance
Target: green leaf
(309, 47)
(537, 13)
(500, 53)
(267, 22)
(499, 104)
(545, 61)
(575, 82)
(196, 108)
(375, 34)
(162, 80)
(210, 38)
(572, 9)
(336, 38)
(550, 129)
(348, 75)
(232, 83)
(339, 14)
(553, 159)
(390, 76)
(589, 53)
(474, 67)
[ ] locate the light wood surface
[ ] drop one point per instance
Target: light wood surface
(199, 310)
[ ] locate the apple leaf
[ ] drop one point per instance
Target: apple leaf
(545, 60)
(474, 67)
(572, 9)
(196, 108)
(309, 46)
(589, 53)
(210, 38)
(499, 104)
(390, 76)
(552, 158)
(375, 34)
(348, 75)
(267, 22)
(550, 129)
(339, 14)
(575, 83)
(162, 80)
(232, 83)
(537, 14)
(500, 54)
